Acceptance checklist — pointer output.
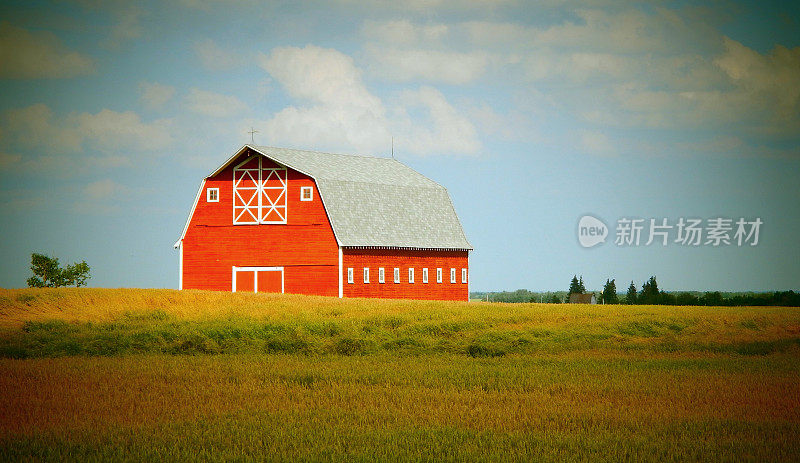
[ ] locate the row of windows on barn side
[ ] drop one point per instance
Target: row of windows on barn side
(382, 275)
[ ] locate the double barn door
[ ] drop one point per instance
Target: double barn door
(258, 279)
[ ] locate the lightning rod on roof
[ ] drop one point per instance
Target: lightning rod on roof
(392, 147)
(251, 132)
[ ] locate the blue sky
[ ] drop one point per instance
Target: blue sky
(531, 114)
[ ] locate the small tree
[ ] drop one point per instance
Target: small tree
(610, 292)
(47, 273)
(631, 298)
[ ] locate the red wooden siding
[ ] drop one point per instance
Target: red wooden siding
(357, 259)
(305, 246)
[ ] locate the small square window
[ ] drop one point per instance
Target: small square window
(396, 275)
(438, 275)
(306, 193)
(424, 275)
(452, 275)
(212, 195)
(464, 275)
(366, 274)
(350, 274)
(411, 275)
(381, 276)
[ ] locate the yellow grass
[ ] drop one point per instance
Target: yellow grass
(634, 383)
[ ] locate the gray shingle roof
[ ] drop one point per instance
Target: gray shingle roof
(377, 201)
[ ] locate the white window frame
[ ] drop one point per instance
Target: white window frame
(425, 274)
(303, 190)
(381, 275)
(366, 275)
(212, 192)
(397, 274)
(255, 276)
(411, 275)
(464, 275)
(350, 274)
(452, 275)
(438, 274)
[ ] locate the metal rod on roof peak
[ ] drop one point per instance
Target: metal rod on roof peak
(251, 132)
(392, 147)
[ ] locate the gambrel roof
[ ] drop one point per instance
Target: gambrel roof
(374, 202)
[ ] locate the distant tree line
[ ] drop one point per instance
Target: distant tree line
(649, 294)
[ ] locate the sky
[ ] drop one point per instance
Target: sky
(648, 116)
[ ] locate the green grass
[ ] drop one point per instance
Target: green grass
(132, 375)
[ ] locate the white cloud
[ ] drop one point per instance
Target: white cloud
(114, 132)
(119, 137)
(596, 143)
(214, 104)
(342, 114)
(320, 75)
(431, 65)
(37, 55)
(208, 5)
(403, 32)
(773, 78)
(621, 31)
(444, 129)
(123, 21)
(213, 57)
(101, 197)
(508, 125)
(155, 95)
(127, 25)
(102, 189)
(7, 160)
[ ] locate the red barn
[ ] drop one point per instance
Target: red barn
(293, 221)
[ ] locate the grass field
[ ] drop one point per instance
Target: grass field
(105, 374)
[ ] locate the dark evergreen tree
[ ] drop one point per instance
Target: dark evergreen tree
(581, 287)
(610, 292)
(574, 286)
(650, 293)
(631, 298)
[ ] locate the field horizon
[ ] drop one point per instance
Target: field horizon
(171, 375)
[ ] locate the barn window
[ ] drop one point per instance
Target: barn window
(452, 275)
(381, 276)
(411, 275)
(350, 274)
(366, 274)
(438, 275)
(259, 192)
(424, 275)
(396, 275)
(464, 275)
(212, 195)
(306, 193)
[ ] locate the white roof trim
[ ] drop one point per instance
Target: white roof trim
(191, 213)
